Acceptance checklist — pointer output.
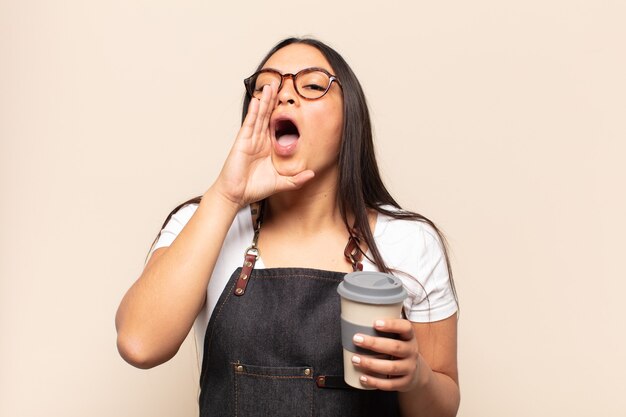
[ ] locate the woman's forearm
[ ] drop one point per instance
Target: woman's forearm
(158, 311)
(436, 395)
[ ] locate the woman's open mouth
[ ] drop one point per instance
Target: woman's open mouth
(286, 132)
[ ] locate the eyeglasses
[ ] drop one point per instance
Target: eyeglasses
(309, 83)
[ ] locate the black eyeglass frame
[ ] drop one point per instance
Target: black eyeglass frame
(250, 88)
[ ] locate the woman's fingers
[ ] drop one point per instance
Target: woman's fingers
(265, 110)
(402, 367)
(398, 348)
(272, 104)
(394, 347)
(258, 115)
(293, 182)
(384, 366)
(247, 127)
(402, 327)
(403, 383)
(250, 165)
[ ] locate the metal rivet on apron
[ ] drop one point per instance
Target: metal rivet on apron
(307, 372)
(243, 276)
(239, 291)
(248, 264)
(239, 368)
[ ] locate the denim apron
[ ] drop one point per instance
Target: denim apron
(274, 349)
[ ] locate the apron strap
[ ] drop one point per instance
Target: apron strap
(246, 271)
(252, 253)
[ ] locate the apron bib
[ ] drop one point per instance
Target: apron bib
(275, 350)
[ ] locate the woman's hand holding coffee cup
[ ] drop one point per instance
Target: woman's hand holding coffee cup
(403, 367)
(371, 311)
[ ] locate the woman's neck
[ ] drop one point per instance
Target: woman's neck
(306, 210)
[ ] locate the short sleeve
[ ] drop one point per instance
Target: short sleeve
(414, 252)
(432, 296)
(174, 226)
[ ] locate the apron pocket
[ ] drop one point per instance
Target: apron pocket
(273, 391)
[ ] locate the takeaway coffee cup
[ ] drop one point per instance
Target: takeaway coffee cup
(366, 297)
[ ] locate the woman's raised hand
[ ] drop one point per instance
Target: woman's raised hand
(248, 174)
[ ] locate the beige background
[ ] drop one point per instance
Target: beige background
(503, 121)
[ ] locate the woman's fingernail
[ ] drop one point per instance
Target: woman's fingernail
(363, 379)
(357, 338)
(379, 323)
(356, 359)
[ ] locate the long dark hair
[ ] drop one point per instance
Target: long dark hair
(359, 184)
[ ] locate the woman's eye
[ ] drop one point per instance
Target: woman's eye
(314, 87)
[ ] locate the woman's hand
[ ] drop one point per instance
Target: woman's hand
(248, 174)
(403, 369)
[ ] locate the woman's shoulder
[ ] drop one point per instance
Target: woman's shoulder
(241, 227)
(183, 215)
(414, 248)
(397, 229)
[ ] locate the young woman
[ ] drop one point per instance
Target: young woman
(299, 202)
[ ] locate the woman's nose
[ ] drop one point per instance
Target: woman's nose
(287, 92)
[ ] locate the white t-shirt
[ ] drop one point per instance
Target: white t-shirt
(412, 247)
